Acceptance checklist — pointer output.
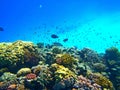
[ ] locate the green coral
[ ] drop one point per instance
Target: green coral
(7, 76)
(2, 70)
(61, 72)
(66, 60)
(56, 50)
(44, 78)
(99, 67)
(112, 53)
(112, 57)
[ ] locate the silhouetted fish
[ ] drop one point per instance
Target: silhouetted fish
(1, 29)
(65, 40)
(57, 44)
(54, 36)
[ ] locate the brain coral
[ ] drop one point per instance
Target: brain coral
(23, 71)
(18, 54)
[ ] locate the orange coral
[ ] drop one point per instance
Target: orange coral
(12, 87)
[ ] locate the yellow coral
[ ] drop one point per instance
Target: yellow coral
(18, 54)
(23, 71)
(61, 72)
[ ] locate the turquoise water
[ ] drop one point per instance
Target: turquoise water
(86, 23)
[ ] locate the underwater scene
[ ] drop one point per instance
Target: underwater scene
(59, 44)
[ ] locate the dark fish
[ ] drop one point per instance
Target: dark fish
(1, 29)
(57, 44)
(65, 40)
(54, 36)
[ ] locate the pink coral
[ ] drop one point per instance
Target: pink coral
(84, 83)
(31, 76)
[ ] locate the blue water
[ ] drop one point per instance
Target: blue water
(86, 23)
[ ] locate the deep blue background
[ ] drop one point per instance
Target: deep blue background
(36, 20)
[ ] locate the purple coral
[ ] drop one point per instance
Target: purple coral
(83, 83)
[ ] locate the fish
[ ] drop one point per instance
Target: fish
(1, 29)
(65, 40)
(54, 36)
(57, 44)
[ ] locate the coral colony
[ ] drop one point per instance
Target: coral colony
(26, 66)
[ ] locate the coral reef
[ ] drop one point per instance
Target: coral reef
(92, 59)
(6, 80)
(89, 55)
(112, 53)
(61, 72)
(43, 75)
(99, 67)
(104, 82)
(25, 66)
(12, 87)
(5, 85)
(17, 55)
(83, 83)
(7, 76)
(112, 57)
(64, 84)
(2, 70)
(40, 45)
(56, 50)
(66, 60)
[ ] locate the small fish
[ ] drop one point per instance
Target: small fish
(54, 36)
(65, 40)
(1, 29)
(57, 44)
